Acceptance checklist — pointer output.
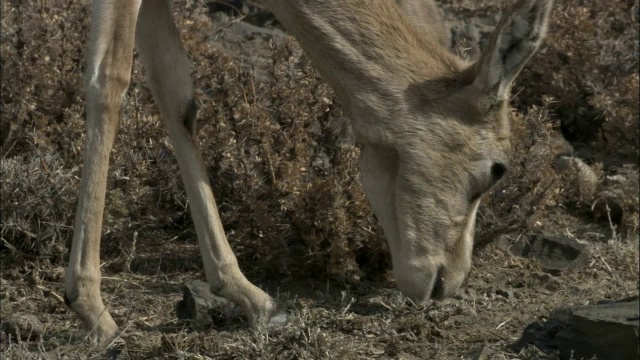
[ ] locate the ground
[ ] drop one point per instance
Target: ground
(282, 166)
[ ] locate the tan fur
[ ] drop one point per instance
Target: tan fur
(431, 128)
(426, 17)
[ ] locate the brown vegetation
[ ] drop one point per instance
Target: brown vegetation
(591, 69)
(282, 164)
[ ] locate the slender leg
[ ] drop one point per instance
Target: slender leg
(168, 74)
(109, 68)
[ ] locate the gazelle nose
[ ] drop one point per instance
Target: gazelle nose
(498, 170)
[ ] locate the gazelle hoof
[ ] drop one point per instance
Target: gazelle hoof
(279, 318)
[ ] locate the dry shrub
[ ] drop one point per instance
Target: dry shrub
(43, 47)
(39, 98)
(38, 195)
(284, 177)
(618, 201)
(586, 76)
(42, 56)
(518, 202)
(275, 144)
(589, 65)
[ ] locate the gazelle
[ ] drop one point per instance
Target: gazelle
(433, 131)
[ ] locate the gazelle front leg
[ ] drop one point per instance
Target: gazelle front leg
(109, 68)
(168, 74)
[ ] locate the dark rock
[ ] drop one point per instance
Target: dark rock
(607, 331)
(607, 301)
(23, 327)
(538, 334)
(199, 306)
(556, 254)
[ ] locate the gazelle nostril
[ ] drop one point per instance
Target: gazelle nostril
(498, 170)
(438, 285)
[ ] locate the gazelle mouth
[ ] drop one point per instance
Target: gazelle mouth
(437, 292)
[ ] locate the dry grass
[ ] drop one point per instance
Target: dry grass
(328, 320)
(283, 168)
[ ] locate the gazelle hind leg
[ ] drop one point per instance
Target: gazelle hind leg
(109, 69)
(168, 73)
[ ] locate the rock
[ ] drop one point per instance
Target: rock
(607, 331)
(23, 327)
(202, 309)
(199, 306)
(556, 254)
(580, 177)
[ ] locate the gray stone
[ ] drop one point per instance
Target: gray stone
(199, 306)
(556, 254)
(201, 309)
(607, 331)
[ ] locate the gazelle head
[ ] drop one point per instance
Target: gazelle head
(450, 143)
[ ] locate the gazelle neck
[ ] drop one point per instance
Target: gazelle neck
(365, 49)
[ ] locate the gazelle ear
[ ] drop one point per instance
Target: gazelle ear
(516, 38)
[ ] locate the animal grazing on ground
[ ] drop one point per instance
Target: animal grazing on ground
(433, 131)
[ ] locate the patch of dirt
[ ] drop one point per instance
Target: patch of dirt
(282, 165)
